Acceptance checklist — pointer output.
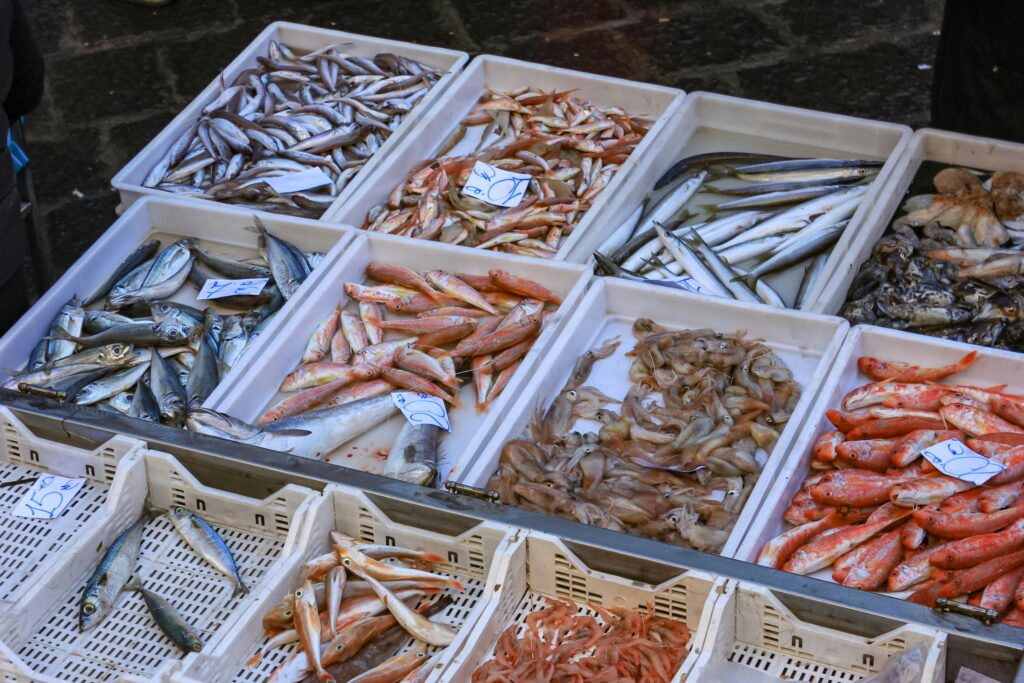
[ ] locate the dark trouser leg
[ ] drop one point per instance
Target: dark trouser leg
(13, 300)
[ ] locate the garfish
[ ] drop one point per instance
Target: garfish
(205, 540)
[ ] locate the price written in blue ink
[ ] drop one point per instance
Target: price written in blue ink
(422, 409)
(496, 186)
(215, 288)
(954, 459)
(48, 497)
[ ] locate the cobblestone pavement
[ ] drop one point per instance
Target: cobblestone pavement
(117, 72)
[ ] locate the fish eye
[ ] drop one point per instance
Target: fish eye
(572, 393)
(88, 609)
(288, 614)
(421, 655)
(298, 593)
(347, 561)
(197, 647)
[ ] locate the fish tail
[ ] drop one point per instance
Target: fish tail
(433, 558)
(240, 589)
(326, 677)
(255, 659)
(456, 584)
(749, 280)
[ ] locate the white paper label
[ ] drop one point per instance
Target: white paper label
(496, 186)
(49, 496)
(422, 409)
(297, 182)
(715, 495)
(954, 459)
(215, 288)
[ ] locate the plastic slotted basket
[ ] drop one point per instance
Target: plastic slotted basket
(127, 645)
(540, 566)
(472, 555)
(754, 636)
(29, 546)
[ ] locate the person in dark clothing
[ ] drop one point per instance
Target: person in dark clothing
(978, 84)
(21, 87)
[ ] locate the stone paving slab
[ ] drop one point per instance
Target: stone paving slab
(117, 72)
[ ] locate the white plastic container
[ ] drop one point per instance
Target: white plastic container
(29, 547)
(992, 367)
(220, 229)
(753, 636)
(806, 343)
(44, 644)
(262, 373)
(541, 566)
(707, 122)
(474, 556)
(927, 144)
(500, 73)
(129, 179)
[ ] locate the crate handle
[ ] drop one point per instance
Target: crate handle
(489, 495)
(986, 616)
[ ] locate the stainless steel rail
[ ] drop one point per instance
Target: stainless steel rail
(994, 650)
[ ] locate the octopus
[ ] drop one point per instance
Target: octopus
(962, 205)
(1008, 197)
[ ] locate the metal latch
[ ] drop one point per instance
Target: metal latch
(54, 394)
(985, 615)
(489, 495)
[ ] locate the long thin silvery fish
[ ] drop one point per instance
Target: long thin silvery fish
(795, 253)
(726, 275)
(838, 214)
(111, 385)
(672, 203)
(621, 234)
(810, 278)
(692, 265)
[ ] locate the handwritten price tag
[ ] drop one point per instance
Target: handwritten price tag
(298, 182)
(496, 186)
(49, 497)
(218, 289)
(422, 409)
(954, 459)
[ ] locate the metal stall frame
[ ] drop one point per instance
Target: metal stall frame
(255, 471)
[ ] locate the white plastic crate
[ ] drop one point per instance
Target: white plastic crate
(927, 144)
(806, 343)
(540, 565)
(501, 73)
(220, 229)
(707, 122)
(29, 546)
(44, 644)
(753, 636)
(992, 367)
(474, 556)
(129, 179)
(262, 373)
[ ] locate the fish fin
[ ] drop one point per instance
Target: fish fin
(240, 589)
(133, 584)
(749, 280)
(59, 333)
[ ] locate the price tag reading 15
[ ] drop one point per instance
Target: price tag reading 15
(49, 496)
(496, 186)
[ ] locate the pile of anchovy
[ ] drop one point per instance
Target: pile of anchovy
(147, 356)
(294, 112)
(571, 149)
(775, 214)
(952, 266)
